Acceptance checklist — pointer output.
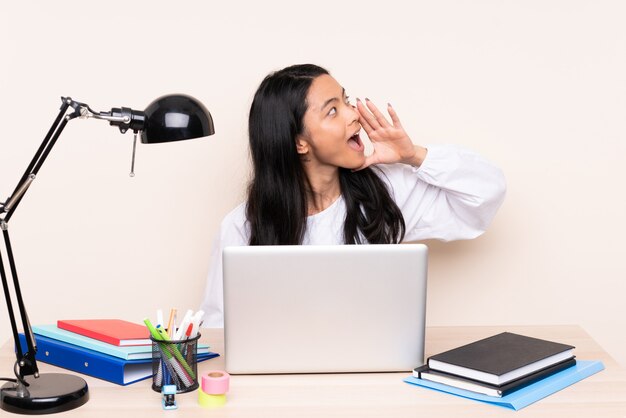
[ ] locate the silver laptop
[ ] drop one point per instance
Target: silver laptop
(315, 309)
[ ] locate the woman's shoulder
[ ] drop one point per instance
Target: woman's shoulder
(237, 215)
(234, 227)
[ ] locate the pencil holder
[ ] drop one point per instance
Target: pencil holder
(175, 363)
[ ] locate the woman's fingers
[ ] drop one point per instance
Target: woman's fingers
(375, 123)
(394, 116)
(380, 118)
(368, 121)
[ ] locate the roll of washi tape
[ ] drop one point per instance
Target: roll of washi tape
(215, 382)
(210, 401)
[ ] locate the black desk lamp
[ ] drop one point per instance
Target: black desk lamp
(168, 118)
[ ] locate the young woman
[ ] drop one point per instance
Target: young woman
(312, 183)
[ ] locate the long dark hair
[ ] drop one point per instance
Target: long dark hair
(277, 197)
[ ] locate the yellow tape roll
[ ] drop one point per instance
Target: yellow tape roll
(210, 401)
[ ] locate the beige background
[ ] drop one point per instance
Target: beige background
(539, 87)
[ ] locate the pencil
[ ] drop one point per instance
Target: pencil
(170, 322)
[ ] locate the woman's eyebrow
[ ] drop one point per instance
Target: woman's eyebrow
(334, 99)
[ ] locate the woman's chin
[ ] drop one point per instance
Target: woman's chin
(355, 163)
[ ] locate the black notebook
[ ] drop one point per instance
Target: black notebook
(501, 359)
(426, 373)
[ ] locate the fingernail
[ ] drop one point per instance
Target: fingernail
(358, 100)
(367, 100)
(389, 104)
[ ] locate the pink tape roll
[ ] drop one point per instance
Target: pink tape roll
(215, 382)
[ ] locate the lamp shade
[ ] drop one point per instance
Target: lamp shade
(176, 117)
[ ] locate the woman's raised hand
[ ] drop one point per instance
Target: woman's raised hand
(390, 141)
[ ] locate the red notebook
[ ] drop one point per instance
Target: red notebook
(113, 331)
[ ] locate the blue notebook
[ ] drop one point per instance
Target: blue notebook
(526, 395)
(94, 363)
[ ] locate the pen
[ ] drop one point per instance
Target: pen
(196, 323)
(183, 325)
(159, 317)
(155, 334)
(188, 332)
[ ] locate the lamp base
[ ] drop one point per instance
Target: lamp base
(48, 394)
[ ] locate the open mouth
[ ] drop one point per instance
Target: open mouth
(355, 143)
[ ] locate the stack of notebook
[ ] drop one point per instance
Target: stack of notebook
(502, 367)
(114, 350)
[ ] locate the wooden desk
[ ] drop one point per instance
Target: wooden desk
(361, 395)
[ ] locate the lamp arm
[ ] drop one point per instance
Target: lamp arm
(124, 118)
(26, 364)
(40, 156)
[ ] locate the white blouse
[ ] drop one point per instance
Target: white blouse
(453, 195)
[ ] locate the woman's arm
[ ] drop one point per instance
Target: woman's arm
(444, 192)
(454, 194)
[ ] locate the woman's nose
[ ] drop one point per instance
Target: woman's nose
(353, 114)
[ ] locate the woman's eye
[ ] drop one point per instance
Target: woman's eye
(347, 99)
(332, 111)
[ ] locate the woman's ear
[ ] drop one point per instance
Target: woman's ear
(302, 146)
